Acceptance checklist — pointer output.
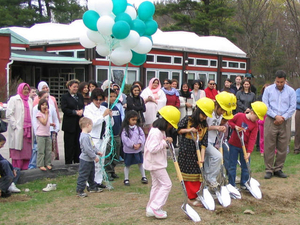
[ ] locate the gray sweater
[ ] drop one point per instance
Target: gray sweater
(88, 149)
(244, 100)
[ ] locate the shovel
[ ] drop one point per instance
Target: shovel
(188, 210)
(252, 186)
(203, 194)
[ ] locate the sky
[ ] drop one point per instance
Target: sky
(135, 2)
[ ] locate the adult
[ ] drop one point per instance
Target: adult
(281, 102)
(245, 97)
(249, 76)
(227, 86)
(18, 114)
(174, 83)
(197, 91)
(139, 84)
(187, 101)
(123, 97)
(210, 91)
(154, 99)
(172, 94)
(83, 89)
(32, 93)
(98, 114)
(238, 84)
(92, 85)
(297, 124)
(136, 102)
(72, 105)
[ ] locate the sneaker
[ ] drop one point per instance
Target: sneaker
(159, 214)
(13, 188)
(144, 180)
(50, 187)
(126, 182)
(5, 194)
(280, 174)
(81, 194)
(95, 190)
(268, 175)
(101, 186)
(243, 187)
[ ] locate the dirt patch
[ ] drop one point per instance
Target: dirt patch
(15, 198)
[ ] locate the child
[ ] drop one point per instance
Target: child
(133, 139)
(8, 175)
(43, 138)
(155, 151)
(87, 157)
(248, 124)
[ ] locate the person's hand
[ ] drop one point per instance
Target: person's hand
(150, 99)
(47, 111)
(96, 159)
(222, 129)
(278, 120)
(15, 173)
(247, 110)
(246, 157)
(189, 105)
(136, 146)
(106, 112)
(79, 112)
(169, 139)
(239, 129)
(99, 153)
(193, 130)
(125, 106)
(53, 125)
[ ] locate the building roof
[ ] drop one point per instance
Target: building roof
(15, 38)
(54, 33)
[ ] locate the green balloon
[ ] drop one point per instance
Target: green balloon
(138, 59)
(90, 19)
(146, 10)
(120, 29)
(151, 27)
(139, 26)
(124, 17)
(119, 6)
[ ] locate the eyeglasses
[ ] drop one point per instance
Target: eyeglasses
(99, 100)
(116, 89)
(166, 83)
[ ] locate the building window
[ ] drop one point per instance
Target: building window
(177, 60)
(102, 74)
(69, 54)
(176, 75)
(191, 61)
(164, 59)
(224, 64)
(233, 64)
(213, 62)
(150, 75)
(162, 76)
(242, 65)
(202, 62)
(131, 76)
(150, 58)
(81, 54)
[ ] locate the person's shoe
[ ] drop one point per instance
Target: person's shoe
(110, 178)
(159, 214)
(50, 187)
(81, 194)
(101, 186)
(144, 180)
(13, 188)
(49, 167)
(296, 152)
(268, 175)
(42, 168)
(280, 174)
(126, 182)
(95, 190)
(5, 194)
(114, 175)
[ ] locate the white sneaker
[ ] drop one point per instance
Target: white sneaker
(13, 188)
(50, 187)
(159, 214)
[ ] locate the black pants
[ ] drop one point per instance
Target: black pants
(72, 147)
(86, 174)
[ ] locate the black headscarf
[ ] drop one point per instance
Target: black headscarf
(186, 94)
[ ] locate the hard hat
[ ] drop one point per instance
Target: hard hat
(225, 100)
(170, 114)
(228, 115)
(233, 101)
(206, 105)
(260, 109)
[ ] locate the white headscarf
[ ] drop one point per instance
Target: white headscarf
(41, 85)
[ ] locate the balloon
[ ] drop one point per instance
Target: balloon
(104, 7)
(149, 38)
(144, 46)
(124, 17)
(151, 27)
(90, 19)
(95, 37)
(139, 26)
(86, 42)
(121, 56)
(105, 24)
(92, 4)
(121, 29)
(146, 10)
(130, 10)
(138, 59)
(102, 50)
(131, 40)
(119, 6)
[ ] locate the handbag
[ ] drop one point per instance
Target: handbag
(3, 126)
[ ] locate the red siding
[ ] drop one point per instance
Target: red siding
(4, 59)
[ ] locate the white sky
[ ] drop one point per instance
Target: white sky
(135, 2)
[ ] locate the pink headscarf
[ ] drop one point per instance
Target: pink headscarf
(154, 91)
(27, 119)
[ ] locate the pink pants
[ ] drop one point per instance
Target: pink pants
(161, 187)
(261, 137)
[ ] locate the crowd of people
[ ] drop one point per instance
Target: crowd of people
(143, 124)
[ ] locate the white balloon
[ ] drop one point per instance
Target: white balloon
(105, 24)
(86, 42)
(144, 46)
(131, 40)
(104, 7)
(121, 56)
(95, 36)
(131, 12)
(92, 4)
(102, 50)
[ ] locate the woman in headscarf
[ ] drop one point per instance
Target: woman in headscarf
(154, 99)
(18, 113)
(136, 102)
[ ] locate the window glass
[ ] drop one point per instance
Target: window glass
(70, 54)
(191, 61)
(213, 62)
(233, 64)
(150, 75)
(131, 76)
(150, 58)
(164, 59)
(177, 60)
(224, 64)
(102, 74)
(81, 54)
(223, 78)
(162, 76)
(243, 65)
(191, 77)
(203, 78)
(232, 78)
(202, 62)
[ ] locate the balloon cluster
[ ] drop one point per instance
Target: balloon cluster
(117, 30)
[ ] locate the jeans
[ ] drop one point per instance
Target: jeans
(32, 162)
(86, 174)
(8, 178)
(212, 163)
(233, 157)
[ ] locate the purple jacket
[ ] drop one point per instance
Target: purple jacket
(137, 136)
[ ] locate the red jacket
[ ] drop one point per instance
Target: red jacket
(173, 100)
(211, 93)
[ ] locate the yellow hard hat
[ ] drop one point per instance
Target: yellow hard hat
(206, 105)
(225, 100)
(228, 115)
(233, 101)
(260, 109)
(170, 114)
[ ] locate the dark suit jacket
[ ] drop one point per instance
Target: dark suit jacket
(68, 106)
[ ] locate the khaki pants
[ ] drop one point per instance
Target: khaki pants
(275, 137)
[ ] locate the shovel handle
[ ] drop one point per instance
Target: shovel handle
(199, 157)
(221, 151)
(178, 172)
(245, 152)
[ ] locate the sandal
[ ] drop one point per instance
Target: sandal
(43, 168)
(144, 180)
(126, 182)
(49, 167)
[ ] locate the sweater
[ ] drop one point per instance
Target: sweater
(137, 136)
(88, 149)
(211, 93)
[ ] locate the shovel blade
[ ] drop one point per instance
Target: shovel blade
(254, 181)
(225, 196)
(206, 199)
(191, 213)
(254, 189)
(233, 192)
